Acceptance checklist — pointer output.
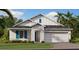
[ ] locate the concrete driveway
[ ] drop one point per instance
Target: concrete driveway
(65, 46)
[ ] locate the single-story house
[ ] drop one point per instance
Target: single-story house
(40, 28)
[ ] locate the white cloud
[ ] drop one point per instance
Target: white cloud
(2, 13)
(52, 15)
(16, 13)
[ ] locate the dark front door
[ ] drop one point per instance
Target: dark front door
(37, 36)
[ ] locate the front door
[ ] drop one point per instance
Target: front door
(37, 36)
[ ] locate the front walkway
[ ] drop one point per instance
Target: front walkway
(65, 46)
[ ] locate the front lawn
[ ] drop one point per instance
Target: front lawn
(24, 46)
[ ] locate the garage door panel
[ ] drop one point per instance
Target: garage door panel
(47, 37)
(56, 37)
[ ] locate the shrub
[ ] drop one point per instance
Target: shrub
(5, 36)
(76, 40)
(24, 41)
(4, 41)
(30, 41)
(19, 41)
(16, 41)
(42, 41)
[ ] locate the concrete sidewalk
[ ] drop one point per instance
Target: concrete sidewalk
(65, 46)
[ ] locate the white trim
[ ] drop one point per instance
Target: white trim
(55, 31)
(19, 28)
(23, 22)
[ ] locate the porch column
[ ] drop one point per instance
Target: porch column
(32, 35)
(41, 36)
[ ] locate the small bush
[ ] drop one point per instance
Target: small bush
(7, 41)
(4, 41)
(30, 41)
(74, 40)
(24, 41)
(19, 41)
(43, 42)
(16, 41)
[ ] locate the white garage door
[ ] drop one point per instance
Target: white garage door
(56, 37)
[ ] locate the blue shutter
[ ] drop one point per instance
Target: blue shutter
(25, 34)
(17, 34)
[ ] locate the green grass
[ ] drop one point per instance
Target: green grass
(76, 40)
(24, 46)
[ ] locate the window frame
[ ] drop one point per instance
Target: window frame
(23, 34)
(40, 21)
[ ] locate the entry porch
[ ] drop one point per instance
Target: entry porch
(26, 34)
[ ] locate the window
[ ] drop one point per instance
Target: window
(25, 34)
(21, 34)
(39, 20)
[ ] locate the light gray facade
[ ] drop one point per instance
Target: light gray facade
(44, 30)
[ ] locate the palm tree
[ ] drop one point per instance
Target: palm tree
(67, 19)
(68, 15)
(71, 21)
(8, 12)
(59, 16)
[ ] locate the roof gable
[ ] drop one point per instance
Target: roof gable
(34, 20)
(45, 20)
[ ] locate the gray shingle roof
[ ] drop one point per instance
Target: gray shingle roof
(50, 28)
(55, 26)
(21, 27)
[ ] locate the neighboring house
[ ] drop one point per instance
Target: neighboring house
(40, 28)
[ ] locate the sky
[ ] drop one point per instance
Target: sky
(28, 13)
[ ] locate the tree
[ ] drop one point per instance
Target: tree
(8, 12)
(6, 22)
(2, 22)
(71, 21)
(59, 16)
(17, 20)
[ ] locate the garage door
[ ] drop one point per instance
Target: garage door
(56, 37)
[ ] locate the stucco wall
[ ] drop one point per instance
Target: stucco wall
(41, 31)
(12, 35)
(51, 36)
